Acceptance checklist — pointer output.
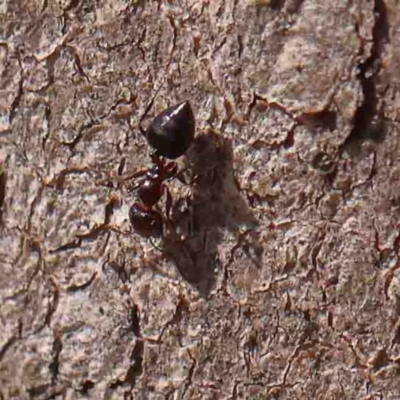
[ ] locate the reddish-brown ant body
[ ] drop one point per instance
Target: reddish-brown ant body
(170, 134)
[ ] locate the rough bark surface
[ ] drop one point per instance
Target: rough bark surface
(281, 277)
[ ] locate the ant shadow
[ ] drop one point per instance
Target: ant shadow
(215, 205)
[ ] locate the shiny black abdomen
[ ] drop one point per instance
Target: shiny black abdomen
(172, 131)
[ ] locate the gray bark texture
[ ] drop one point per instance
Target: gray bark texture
(278, 274)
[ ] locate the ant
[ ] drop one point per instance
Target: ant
(170, 134)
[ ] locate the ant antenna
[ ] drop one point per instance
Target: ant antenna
(162, 250)
(148, 108)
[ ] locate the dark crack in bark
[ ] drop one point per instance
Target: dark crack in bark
(324, 119)
(10, 342)
(54, 366)
(87, 385)
(174, 40)
(368, 180)
(234, 394)
(59, 180)
(289, 139)
(53, 304)
(121, 166)
(72, 4)
(181, 308)
(189, 378)
(3, 181)
(82, 286)
(77, 242)
(68, 246)
(293, 6)
(81, 133)
(109, 209)
(94, 233)
(368, 120)
(44, 6)
(46, 392)
(7, 345)
(78, 62)
(245, 244)
(118, 266)
(135, 369)
(277, 5)
(19, 94)
(287, 142)
(134, 319)
(35, 246)
(239, 39)
(47, 116)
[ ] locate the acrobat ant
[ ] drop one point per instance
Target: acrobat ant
(170, 134)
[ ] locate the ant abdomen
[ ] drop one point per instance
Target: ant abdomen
(172, 131)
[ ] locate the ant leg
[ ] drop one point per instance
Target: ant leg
(183, 178)
(134, 176)
(171, 225)
(170, 170)
(168, 207)
(156, 246)
(146, 111)
(168, 204)
(120, 180)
